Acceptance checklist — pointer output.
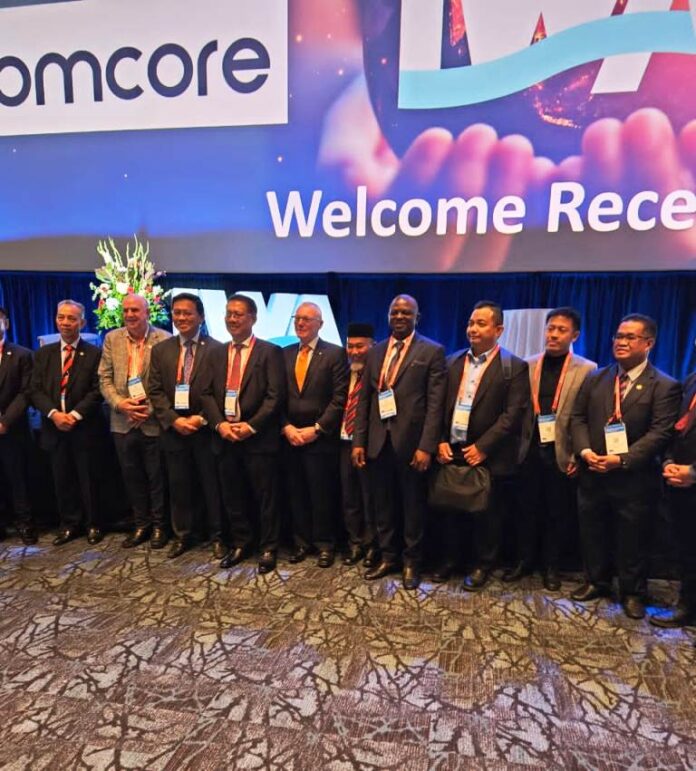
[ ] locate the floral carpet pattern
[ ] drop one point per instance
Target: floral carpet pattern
(114, 659)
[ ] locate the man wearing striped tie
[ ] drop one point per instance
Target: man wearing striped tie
(358, 516)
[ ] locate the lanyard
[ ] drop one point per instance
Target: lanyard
(242, 364)
(387, 362)
(463, 382)
(140, 354)
(559, 386)
(182, 355)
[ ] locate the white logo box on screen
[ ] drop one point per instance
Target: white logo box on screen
(109, 65)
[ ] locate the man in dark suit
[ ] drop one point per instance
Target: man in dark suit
(15, 374)
(396, 434)
(358, 512)
(487, 397)
(622, 421)
(244, 391)
(317, 387)
(679, 472)
(65, 389)
(175, 389)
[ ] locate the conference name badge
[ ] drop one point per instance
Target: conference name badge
(181, 396)
(387, 404)
(547, 428)
(136, 389)
(231, 403)
(616, 439)
(462, 413)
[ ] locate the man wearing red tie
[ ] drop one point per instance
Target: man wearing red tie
(243, 394)
(396, 434)
(622, 421)
(65, 390)
(358, 516)
(679, 472)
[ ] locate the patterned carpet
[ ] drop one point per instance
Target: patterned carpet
(112, 659)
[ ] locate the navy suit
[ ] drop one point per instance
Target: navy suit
(15, 375)
(419, 391)
(312, 470)
(248, 470)
(622, 497)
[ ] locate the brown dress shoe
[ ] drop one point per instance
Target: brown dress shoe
(65, 535)
(234, 557)
(299, 555)
(267, 562)
(633, 607)
(138, 536)
(476, 580)
(219, 550)
(381, 570)
(159, 538)
(355, 554)
(411, 577)
(673, 619)
(178, 547)
(589, 591)
(94, 535)
(326, 558)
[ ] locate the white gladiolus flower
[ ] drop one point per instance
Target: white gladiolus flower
(121, 287)
(112, 303)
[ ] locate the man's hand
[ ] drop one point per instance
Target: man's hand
(444, 453)
(357, 457)
(183, 426)
(602, 464)
(420, 461)
(136, 411)
(226, 432)
(3, 428)
(293, 435)
(592, 459)
(241, 431)
(474, 456)
(571, 469)
(677, 475)
(64, 421)
(308, 434)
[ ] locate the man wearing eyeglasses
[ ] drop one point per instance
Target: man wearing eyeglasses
(622, 420)
(317, 385)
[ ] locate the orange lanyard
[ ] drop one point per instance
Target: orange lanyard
(140, 354)
(559, 387)
(242, 363)
(464, 380)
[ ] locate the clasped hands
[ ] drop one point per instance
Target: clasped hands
(235, 432)
(601, 464)
(300, 436)
(471, 453)
(677, 475)
(137, 411)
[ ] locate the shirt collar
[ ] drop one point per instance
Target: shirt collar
(636, 372)
(406, 341)
(313, 345)
(195, 338)
(74, 344)
(147, 334)
(482, 357)
(244, 343)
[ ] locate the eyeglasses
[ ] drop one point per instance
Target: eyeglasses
(306, 319)
(235, 315)
(619, 336)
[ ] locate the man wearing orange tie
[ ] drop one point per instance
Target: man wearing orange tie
(317, 384)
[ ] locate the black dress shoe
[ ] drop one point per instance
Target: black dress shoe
(138, 536)
(159, 538)
(234, 557)
(411, 577)
(476, 579)
(552, 581)
(589, 591)
(673, 619)
(299, 555)
(3, 533)
(355, 554)
(267, 562)
(28, 535)
(515, 574)
(443, 573)
(381, 570)
(633, 606)
(326, 558)
(94, 535)
(178, 547)
(219, 550)
(65, 535)
(372, 558)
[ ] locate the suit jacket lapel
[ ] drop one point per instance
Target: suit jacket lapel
(250, 363)
(637, 389)
(77, 359)
(457, 370)
(197, 359)
(573, 370)
(408, 358)
(314, 363)
(6, 362)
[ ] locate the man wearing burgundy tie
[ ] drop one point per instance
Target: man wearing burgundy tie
(65, 389)
(15, 374)
(175, 390)
(622, 420)
(358, 516)
(317, 386)
(396, 434)
(679, 472)
(243, 394)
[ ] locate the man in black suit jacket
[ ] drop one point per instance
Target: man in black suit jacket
(487, 397)
(244, 392)
(15, 374)
(65, 390)
(679, 472)
(175, 388)
(397, 429)
(622, 421)
(317, 387)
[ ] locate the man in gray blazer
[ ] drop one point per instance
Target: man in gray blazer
(547, 476)
(124, 373)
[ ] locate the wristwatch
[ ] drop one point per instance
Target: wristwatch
(623, 461)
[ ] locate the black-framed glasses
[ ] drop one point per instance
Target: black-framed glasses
(629, 338)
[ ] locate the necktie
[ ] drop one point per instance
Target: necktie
(393, 364)
(188, 361)
(301, 364)
(67, 365)
(236, 370)
(623, 385)
(352, 406)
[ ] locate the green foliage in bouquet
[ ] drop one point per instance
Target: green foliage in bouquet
(119, 277)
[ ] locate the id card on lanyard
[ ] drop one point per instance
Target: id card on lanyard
(546, 424)
(615, 436)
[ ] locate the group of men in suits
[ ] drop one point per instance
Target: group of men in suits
(228, 419)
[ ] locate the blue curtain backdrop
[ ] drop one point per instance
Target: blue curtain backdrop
(445, 301)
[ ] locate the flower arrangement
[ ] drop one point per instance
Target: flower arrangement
(118, 278)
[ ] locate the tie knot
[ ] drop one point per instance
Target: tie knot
(238, 347)
(68, 348)
(188, 344)
(624, 378)
(399, 344)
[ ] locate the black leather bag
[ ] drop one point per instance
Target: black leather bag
(462, 488)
